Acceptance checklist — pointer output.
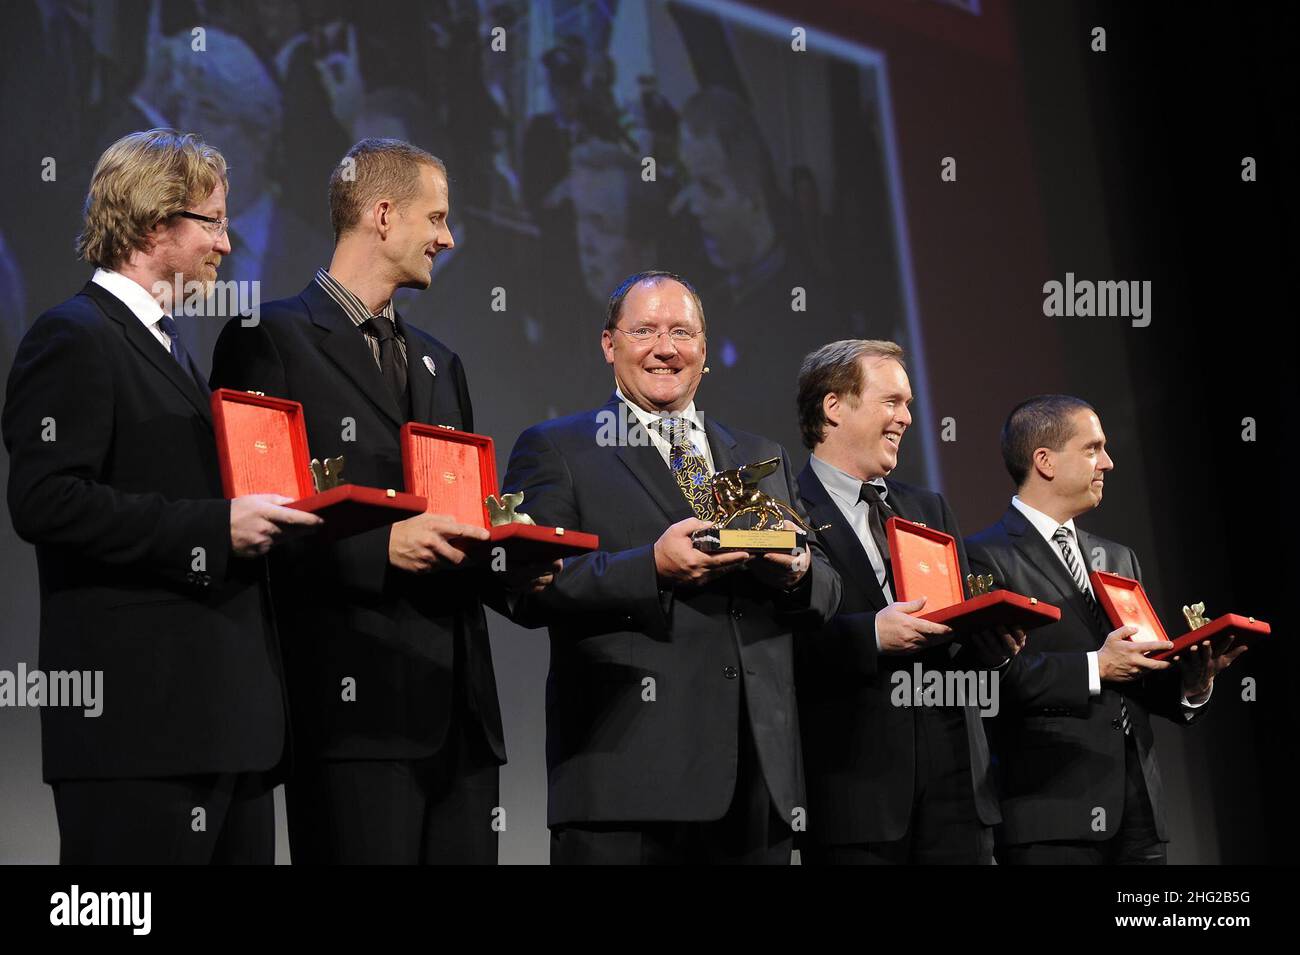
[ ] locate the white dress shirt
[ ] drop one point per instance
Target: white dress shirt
(846, 491)
(137, 298)
(1047, 526)
(649, 421)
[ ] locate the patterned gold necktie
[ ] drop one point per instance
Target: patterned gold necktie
(689, 467)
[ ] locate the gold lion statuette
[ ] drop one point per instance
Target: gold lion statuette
(735, 493)
(326, 474)
(1195, 616)
(979, 584)
(502, 511)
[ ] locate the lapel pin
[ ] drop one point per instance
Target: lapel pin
(428, 363)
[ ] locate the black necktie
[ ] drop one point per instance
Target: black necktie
(390, 364)
(168, 325)
(877, 513)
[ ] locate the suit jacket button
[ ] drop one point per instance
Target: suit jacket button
(729, 672)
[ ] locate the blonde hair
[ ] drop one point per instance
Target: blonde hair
(376, 169)
(140, 180)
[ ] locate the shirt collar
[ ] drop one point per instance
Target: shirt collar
(131, 294)
(1044, 524)
(842, 484)
(352, 306)
(648, 419)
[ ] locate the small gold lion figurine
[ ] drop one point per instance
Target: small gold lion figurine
(326, 474)
(1195, 616)
(735, 492)
(503, 511)
(979, 584)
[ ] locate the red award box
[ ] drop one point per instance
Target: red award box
(456, 471)
(925, 565)
(262, 444)
(1126, 604)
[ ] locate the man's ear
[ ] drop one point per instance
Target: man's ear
(383, 212)
(1044, 463)
(832, 408)
(607, 345)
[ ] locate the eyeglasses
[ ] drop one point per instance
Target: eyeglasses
(216, 226)
(645, 334)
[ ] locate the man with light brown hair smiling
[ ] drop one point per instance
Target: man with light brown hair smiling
(887, 783)
(147, 573)
(403, 766)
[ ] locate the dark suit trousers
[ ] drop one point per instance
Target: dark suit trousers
(945, 828)
(1136, 842)
(432, 811)
(750, 833)
(154, 821)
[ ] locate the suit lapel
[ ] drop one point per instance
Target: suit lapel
(722, 443)
(150, 348)
(646, 464)
(1040, 554)
(345, 345)
(419, 379)
(839, 539)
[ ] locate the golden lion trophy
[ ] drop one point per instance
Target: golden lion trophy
(736, 497)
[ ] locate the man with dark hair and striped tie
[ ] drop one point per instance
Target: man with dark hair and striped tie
(1078, 773)
(671, 729)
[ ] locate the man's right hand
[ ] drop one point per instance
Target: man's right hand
(678, 562)
(258, 522)
(1121, 660)
(423, 543)
(897, 631)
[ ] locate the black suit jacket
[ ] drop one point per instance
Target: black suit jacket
(859, 748)
(613, 754)
(1060, 752)
(344, 611)
(114, 477)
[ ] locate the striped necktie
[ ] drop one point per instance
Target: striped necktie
(690, 470)
(1062, 538)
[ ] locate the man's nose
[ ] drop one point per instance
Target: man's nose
(1105, 462)
(448, 241)
(222, 244)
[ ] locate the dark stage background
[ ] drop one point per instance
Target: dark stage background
(1116, 165)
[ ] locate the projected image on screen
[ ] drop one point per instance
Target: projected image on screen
(585, 141)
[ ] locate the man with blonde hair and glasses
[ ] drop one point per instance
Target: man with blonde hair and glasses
(152, 584)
